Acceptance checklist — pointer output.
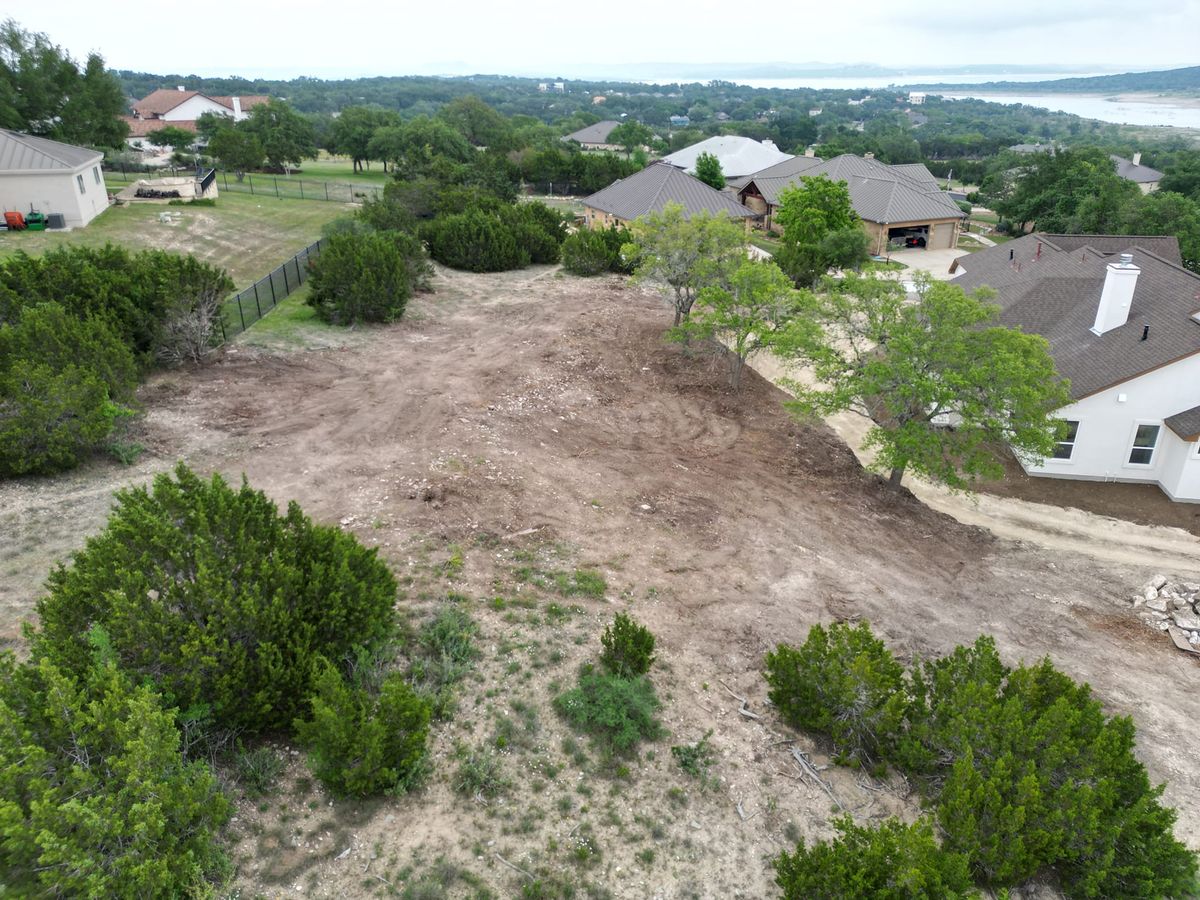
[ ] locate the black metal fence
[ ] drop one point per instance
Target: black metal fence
(282, 186)
(246, 307)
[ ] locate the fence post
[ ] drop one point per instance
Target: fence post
(276, 180)
(250, 178)
(301, 188)
(257, 307)
(326, 190)
(274, 300)
(225, 178)
(240, 315)
(299, 278)
(286, 287)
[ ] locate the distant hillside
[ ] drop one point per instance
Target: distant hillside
(1167, 80)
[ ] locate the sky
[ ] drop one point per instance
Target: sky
(288, 38)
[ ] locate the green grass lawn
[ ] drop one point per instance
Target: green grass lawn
(247, 236)
(341, 170)
(762, 242)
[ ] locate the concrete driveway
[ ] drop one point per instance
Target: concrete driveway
(935, 262)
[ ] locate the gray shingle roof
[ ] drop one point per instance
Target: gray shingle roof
(657, 185)
(26, 153)
(1056, 293)
(1131, 172)
(738, 155)
(1185, 424)
(1163, 246)
(593, 134)
(878, 192)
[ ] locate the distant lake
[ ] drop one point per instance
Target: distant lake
(1122, 111)
(852, 83)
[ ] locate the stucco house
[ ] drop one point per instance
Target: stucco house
(595, 137)
(181, 108)
(651, 190)
(50, 177)
(739, 156)
(1122, 317)
(893, 202)
(1144, 177)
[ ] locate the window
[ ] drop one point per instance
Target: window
(96, 174)
(1144, 442)
(1196, 449)
(79, 181)
(1066, 446)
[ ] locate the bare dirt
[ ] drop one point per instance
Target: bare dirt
(536, 420)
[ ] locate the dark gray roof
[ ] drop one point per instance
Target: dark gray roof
(1185, 424)
(593, 134)
(1163, 246)
(657, 185)
(1055, 293)
(878, 192)
(1130, 171)
(26, 153)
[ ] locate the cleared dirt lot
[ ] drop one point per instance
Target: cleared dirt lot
(533, 420)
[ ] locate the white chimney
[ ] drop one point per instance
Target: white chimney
(810, 152)
(868, 155)
(180, 87)
(769, 144)
(1117, 295)
(237, 108)
(1137, 158)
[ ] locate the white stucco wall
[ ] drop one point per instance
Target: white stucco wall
(56, 192)
(1107, 425)
(192, 108)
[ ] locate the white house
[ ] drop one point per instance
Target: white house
(1122, 317)
(44, 175)
(181, 108)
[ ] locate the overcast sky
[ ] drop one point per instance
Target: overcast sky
(286, 38)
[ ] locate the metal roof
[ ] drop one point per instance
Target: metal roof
(1131, 171)
(651, 189)
(593, 134)
(1185, 424)
(26, 153)
(1055, 293)
(878, 192)
(738, 155)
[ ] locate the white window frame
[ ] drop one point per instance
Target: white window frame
(1131, 446)
(79, 181)
(96, 174)
(1067, 460)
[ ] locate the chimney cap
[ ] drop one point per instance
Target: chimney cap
(1126, 261)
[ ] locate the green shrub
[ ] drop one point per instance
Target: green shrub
(445, 649)
(363, 743)
(695, 758)
(257, 770)
(365, 276)
(628, 647)
(591, 251)
(62, 382)
(1025, 774)
(844, 683)
(480, 774)
(474, 241)
(617, 712)
(95, 798)
(216, 598)
(1031, 775)
(892, 862)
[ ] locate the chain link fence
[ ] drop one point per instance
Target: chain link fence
(247, 306)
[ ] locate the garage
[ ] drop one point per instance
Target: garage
(941, 236)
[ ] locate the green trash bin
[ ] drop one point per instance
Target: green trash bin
(35, 221)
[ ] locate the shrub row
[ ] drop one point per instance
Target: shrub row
(76, 326)
(1025, 773)
(590, 251)
(495, 240)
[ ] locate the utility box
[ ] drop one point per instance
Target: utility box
(56, 221)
